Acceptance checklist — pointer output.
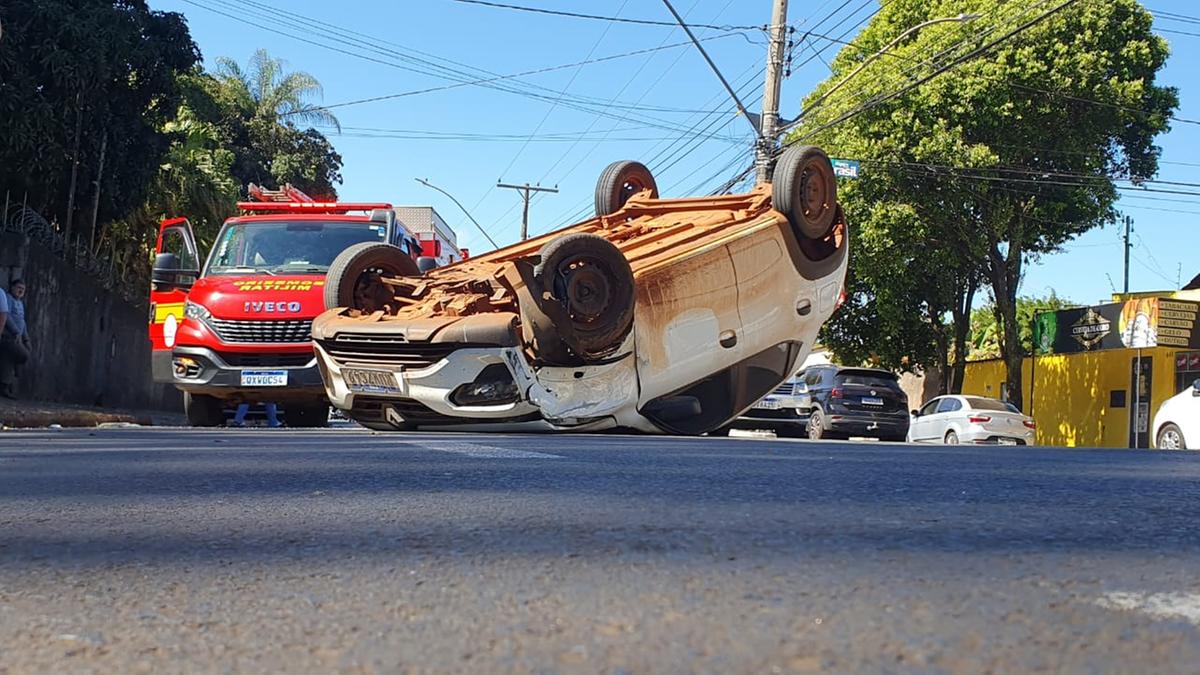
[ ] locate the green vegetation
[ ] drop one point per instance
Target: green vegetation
(970, 176)
(985, 336)
(107, 98)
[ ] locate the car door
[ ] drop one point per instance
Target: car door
(919, 431)
(939, 423)
(168, 292)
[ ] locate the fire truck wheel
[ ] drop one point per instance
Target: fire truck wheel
(620, 181)
(311, 415)
(354, 277)
(203, 411)
(805, 190)
(590, 281)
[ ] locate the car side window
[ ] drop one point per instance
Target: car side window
(813, 379)
(928, 408)
(949, 405)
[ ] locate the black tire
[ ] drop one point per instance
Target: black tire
(805, 190)
(816, 425)
(951, 438)
(590, 281)
(1166, 434)
(203, 411)
(311, 415)
(618, 182)
(353, 278)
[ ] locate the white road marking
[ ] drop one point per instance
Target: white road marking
(1159, 605)
(486, 451)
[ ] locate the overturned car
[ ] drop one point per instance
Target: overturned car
(657, 315)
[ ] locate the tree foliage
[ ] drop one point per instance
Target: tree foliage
(107, 69)
(985, 333)
(1001, 159)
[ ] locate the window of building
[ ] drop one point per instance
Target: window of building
(1187, 369)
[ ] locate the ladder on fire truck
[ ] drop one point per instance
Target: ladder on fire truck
(287, 193)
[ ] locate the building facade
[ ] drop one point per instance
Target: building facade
(1099, 373)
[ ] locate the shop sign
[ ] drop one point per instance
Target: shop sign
(1140, 323)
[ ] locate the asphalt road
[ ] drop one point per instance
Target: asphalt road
(273, 550)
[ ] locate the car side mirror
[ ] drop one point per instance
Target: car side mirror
(1196, 387)
(168, 273)
(915, 413)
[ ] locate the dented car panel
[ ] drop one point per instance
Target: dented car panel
(717, 280)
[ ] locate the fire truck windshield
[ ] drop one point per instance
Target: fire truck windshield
(282, 247)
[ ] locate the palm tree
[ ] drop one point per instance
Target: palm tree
(266, 90)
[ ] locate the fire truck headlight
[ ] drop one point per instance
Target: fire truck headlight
(194, 311)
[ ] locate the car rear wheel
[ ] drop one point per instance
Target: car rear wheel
(355, 278)
(804, 189)
(618, 182)
(1170, 437)
(816, 425)
(203, 411)
(590, 285)
(951, 438)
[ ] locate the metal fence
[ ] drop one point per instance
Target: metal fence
(20, 219)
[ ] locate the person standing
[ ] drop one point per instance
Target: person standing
(239, 417)
(14, 337)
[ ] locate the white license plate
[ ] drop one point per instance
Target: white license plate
(1008, 441)
(767, 405)
(264, 378)
(366, 381)
(868, 400)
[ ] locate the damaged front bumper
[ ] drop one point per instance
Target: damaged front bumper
(417, 374)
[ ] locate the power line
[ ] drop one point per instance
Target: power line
(1178, 32)
(612, 19)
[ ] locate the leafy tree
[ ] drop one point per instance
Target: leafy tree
(263, 106)
(1017, 147)
(80, 79)
(985, 333)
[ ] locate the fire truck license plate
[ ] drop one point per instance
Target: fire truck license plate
(264, 378)
(370, 381)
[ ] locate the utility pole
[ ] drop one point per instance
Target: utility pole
(525, 190)
(765, 150)
(1128, 229)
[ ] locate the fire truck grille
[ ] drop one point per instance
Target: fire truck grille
(262, 331)
(381, 349)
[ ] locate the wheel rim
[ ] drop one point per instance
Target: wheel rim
(813, 427)
(585, 289)
(1170, 440)
(631, 187)
(814, 193)
(370, 293)
(951, 438)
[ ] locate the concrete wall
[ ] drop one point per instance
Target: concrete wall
(89, 343)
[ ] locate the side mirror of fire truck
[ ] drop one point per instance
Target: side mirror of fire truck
(168, 273)
(426, 263)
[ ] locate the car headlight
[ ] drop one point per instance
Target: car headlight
(192, 310)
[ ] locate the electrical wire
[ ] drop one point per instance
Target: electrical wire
(612, 19)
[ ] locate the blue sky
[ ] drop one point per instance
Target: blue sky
(648, 106)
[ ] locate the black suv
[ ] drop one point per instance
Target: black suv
(855, 402)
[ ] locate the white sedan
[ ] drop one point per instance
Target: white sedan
(1177, 422)
(958, 419)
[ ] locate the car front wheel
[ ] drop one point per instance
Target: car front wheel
(1170, 438)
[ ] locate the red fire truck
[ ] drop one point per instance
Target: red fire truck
(237, 329)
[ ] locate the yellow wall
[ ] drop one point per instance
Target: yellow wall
(1071, 395)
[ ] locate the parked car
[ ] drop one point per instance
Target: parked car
(657, 315)
(958, 419)
(1177, 422)
(784, 411)
(847, 402)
